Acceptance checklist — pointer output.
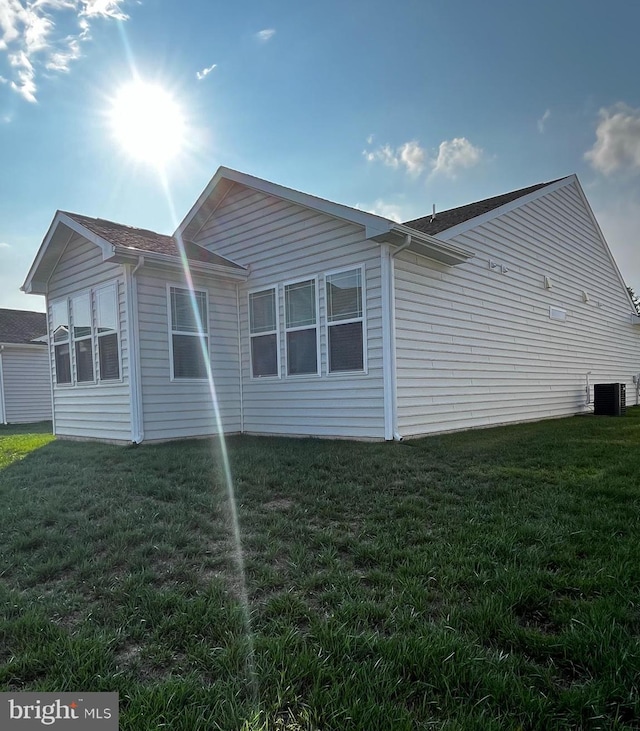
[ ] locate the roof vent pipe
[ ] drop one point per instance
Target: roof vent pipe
(433, 214)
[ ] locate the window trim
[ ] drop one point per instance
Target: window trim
(171, 332)
(363, 319)
(256, 290)
(287, 330)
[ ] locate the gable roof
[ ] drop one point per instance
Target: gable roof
(144, 240)
(376, 228)
(22, 326)
(454, 216)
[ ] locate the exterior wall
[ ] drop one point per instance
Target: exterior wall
(477, 347)
(185, 408)
(281, 242)
(100, 410)
(27, 384)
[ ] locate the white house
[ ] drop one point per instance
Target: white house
(25, 374)
(270, 311)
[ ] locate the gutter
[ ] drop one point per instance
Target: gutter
(135, 381)
(125, 256)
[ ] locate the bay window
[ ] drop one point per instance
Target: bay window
(60, 333)
(82, 340)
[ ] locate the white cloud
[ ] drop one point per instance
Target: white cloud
(617, 140)
(409, 155)
(454, 155)
(33, 39)
(543, 121)
(266, 34)
(205, 72)
(4, 245)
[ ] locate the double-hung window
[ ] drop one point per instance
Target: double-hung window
(301, 327)
(60, 332)
(189, 333)
(107, 333)
(263, 327)
(345, 321)
(82, 337)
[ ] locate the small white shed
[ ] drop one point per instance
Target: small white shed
(25, 377)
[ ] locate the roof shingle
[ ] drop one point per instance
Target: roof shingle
(452, 217)
(21, 326)
(141, 239)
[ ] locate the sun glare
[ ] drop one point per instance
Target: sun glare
(148, 123)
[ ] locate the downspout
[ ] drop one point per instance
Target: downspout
(407, 243)
(240, 373)
(389, 342)
(135, 381)
(3, 413)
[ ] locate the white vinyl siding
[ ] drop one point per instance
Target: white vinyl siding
(101, 409)
(283, 242)
(476, 345)
(187, 407)
(27, 384)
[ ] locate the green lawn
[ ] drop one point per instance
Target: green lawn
(482, 580)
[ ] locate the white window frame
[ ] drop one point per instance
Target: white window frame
(362, 319)
(287, 330)
(54, 344)
(171, 332)
(276, 290)
(72, 326)
(114, 286)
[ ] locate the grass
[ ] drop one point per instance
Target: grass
(482, 580)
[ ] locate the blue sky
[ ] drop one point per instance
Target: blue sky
(388, 106)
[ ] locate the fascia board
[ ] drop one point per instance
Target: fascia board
(596, 225)
(61, 218)
(501, 210)
(428, 246)
(375, 224)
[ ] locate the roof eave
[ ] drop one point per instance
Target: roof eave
(425, 245)
(125, 255)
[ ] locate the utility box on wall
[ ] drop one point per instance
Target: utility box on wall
(609, 399)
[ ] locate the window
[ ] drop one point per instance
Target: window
(345, 321)
(92, 338)
(60, 331)
(83, 345)
(189, 333)
(107, 333)
(264, 333)
(301, 327)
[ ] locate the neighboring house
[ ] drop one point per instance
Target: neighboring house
(314, 318)
(25, 375)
